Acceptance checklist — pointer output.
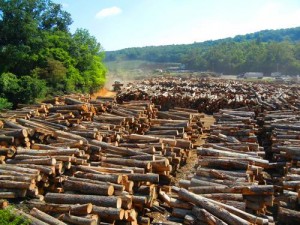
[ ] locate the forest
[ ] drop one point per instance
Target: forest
(40, 56)
(265, 51)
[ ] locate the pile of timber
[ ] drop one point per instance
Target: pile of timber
(281, 131)
(111, 160)
(208, 95)
(106, 157)
(230, 177)
(190, 208)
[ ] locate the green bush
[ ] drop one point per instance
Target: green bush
(25, 89)
(5, 104)
(7, 217)
(31, 88)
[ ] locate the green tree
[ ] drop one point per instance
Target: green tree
(22, 26)
(89, 55)
(37, 49)
(9, 87)
(30, 89)
(54, 73)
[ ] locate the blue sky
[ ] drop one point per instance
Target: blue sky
(119, 24)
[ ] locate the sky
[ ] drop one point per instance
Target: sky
(119, 24)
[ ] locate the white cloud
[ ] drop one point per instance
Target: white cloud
(108, 12)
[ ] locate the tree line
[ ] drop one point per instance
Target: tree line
(40, 56)
(265, 51)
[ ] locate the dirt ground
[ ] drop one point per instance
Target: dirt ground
(104, 92)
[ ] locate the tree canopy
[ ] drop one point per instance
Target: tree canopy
(39, 55)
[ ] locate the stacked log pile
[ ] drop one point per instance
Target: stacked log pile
(282, 137)
(106, 157)
(84, 161)
(209, 95)
(229, 178)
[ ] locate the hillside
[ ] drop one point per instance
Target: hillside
(267, 51)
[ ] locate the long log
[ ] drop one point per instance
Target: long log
(119, 150)
(203, 214)
(104, 201)
(89, 188)
(288, 216)
(45, 217)
(17, 184)
(75, 209)
(151, 177)
(114, 178)
(216, 210)
(33, 220)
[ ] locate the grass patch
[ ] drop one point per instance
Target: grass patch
(7, 217)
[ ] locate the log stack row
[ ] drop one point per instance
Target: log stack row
(282, 138)
(208, 95)
(230, 174)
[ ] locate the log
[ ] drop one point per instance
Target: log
(221, 213)
(118, 188)
(33, 220)
(51, 152)
(45, 217)
(14, 193)
(150, 177)
(78, 220)
(113, 178)
(81, 210)
(203, 214)
(118, 150)
(9, 152)
(288, 216)
(224, 196)
(46, 161)
(128, 162)
(109, 213)
(245, 190)
(89, 188)
(177, 203)
(104, 201)
(180, 213)
(77, 209)
(190, 220)
(17, 184)
(240, 213)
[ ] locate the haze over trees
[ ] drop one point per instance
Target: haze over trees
(266, 51)
(39, 55)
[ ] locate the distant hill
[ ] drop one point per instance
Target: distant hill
(289, 34)
(265, 51)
